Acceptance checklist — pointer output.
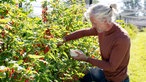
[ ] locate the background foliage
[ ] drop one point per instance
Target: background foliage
(28, 45)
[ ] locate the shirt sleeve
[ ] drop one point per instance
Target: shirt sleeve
(81, 33)
(118, 53)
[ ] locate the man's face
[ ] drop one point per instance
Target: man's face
(99, 25)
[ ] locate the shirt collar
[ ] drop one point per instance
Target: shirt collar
(114, 27)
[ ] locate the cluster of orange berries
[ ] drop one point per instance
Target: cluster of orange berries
(44, 14)
(3, 14)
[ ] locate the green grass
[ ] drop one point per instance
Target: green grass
(137, 65)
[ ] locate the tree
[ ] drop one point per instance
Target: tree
(133, 4)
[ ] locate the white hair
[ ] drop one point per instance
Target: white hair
(102, 11)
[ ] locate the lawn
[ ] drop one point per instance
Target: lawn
(137, 65)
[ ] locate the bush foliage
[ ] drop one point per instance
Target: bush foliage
(28, 45)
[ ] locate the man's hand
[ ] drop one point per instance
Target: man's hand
(81, 56)
(59, 44)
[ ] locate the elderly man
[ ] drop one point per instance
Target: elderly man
(114, 44)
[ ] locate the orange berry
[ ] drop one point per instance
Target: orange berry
(46, 49)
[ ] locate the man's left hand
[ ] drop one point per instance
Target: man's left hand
(81, 56)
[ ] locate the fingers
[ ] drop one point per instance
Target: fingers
(76, 57)
(77, 52)
(59, 44)
(80, 57)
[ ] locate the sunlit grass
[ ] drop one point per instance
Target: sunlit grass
(137, 65)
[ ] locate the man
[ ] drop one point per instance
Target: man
(114, 44)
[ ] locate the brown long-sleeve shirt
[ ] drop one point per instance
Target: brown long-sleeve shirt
(115, 51)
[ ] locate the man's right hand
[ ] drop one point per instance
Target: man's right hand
(59, 44)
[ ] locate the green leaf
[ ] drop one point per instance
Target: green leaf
(20, 62)
(51, 56)
(20, 43)
(65, 54)
(35, 56)
(1, 27)
(3, 75)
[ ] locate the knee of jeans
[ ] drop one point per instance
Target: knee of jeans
(127, 79)
(96, 72)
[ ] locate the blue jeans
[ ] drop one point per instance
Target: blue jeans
(96, 75)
